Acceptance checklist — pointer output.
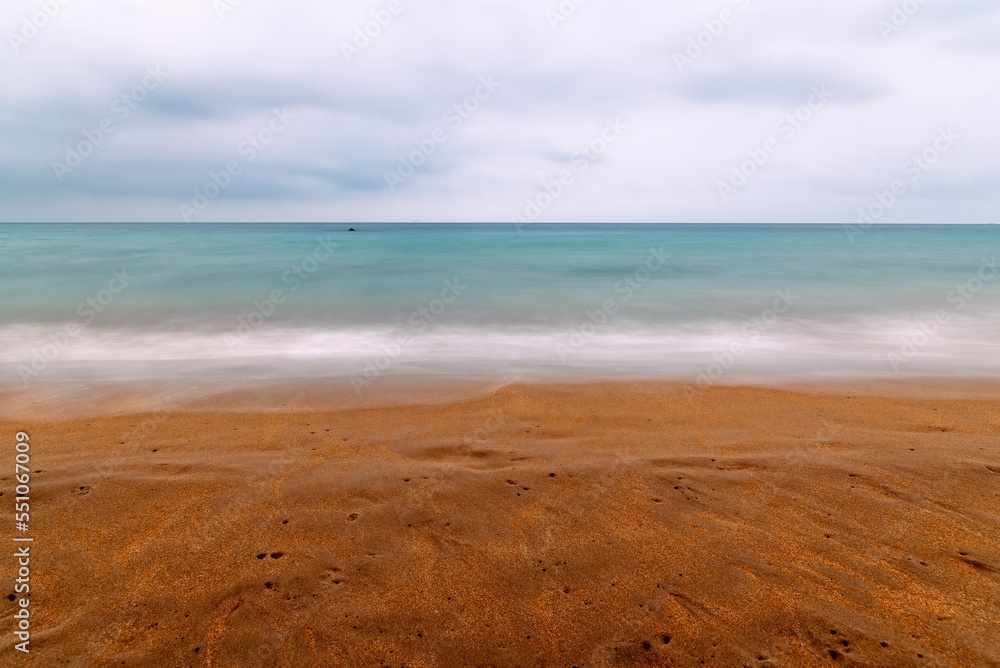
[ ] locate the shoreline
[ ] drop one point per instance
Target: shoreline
(74, 399)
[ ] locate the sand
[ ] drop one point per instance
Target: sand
(595, 524)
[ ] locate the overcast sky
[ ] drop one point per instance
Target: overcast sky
(664, 120)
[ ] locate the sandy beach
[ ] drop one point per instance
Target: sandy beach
(595, 524)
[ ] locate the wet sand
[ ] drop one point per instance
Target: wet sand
(597, 524)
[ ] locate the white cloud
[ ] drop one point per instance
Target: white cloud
(353, 120)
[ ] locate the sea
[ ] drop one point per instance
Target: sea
(700, 303)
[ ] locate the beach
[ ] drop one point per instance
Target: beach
(500, 335)
(532, 524)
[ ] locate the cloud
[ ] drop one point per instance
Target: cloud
(773, 86)
(560, 82)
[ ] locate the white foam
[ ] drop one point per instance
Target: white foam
(789, 347)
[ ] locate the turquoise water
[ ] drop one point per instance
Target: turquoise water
(709, 302)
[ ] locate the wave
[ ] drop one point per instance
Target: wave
(789, 347)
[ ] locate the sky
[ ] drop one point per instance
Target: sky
(500, 110)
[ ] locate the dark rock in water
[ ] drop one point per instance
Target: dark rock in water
(352, 230)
